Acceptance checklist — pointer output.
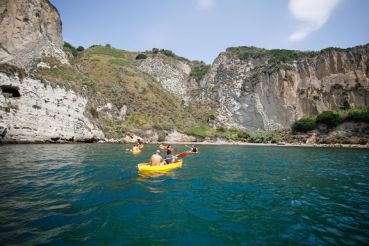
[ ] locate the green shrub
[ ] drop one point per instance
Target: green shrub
(358, 115)
(275, 55)
(304, 124)
(80, 49)
(232, 134)
(155, 50)
(265, 137)
(70, 48)
(328, 118)
(167, 52)
(68, 45)
(242, 135)
(94, 112)
(141, 56)
(200, 131)
(199, 71)
(221, 129)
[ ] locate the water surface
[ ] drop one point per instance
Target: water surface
(226, 195)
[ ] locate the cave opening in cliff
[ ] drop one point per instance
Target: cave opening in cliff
(11, 91)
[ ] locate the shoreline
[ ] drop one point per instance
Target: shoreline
(303, 145)
(356, 146)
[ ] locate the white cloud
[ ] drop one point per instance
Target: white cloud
(204, 4)
(314, 14)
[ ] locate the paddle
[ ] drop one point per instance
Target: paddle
(183, 154)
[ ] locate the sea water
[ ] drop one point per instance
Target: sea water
(92, 194)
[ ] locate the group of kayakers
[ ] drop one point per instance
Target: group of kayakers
(157, 160)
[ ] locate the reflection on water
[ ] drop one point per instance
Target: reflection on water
(93, 194)
(155, 174)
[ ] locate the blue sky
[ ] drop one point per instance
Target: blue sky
(201, 29)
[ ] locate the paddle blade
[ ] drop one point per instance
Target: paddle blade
(183, 154)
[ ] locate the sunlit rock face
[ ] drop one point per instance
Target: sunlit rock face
(172, 74)
(29, 29)
(256, 95)
(36, 111)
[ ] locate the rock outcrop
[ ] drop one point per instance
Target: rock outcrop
(171, 73)
(175, 136)
(257, 94)
(346, 133)
(32, 110)
(29, 30)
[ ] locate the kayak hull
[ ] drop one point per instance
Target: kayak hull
(192, 152)
(135, 151)
(142, 167)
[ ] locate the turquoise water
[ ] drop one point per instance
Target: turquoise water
(226, 195)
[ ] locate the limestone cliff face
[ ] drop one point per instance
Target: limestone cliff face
(171, 73)
(36, 111)
(32, 110)
(29, 30)
(257, 95)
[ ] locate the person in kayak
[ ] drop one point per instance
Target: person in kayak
(139, 143)
(169, 149)
(169, 158)
(135, 148)
(193, 148)
(156, 159)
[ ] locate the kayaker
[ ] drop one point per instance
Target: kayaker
(156, 159)
(139, 143)
(135, 148)
(169, 158)
(193, 148)
(169, 149)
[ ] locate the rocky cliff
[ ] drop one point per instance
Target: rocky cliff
(29, 30)
(171, 73)
(257, 89)
(32, 110)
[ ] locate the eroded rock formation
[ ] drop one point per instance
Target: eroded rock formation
(257, 95)
(36, 111)
(171, 73)
(29, 30)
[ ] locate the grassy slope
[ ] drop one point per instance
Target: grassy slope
(106, 74)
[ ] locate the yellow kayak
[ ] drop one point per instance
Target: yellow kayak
(162, 146)
(147, 167)
(135, 151)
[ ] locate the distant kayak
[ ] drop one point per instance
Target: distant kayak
(162, 146)
(189, 151)
(147, 167)
(135, 151)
